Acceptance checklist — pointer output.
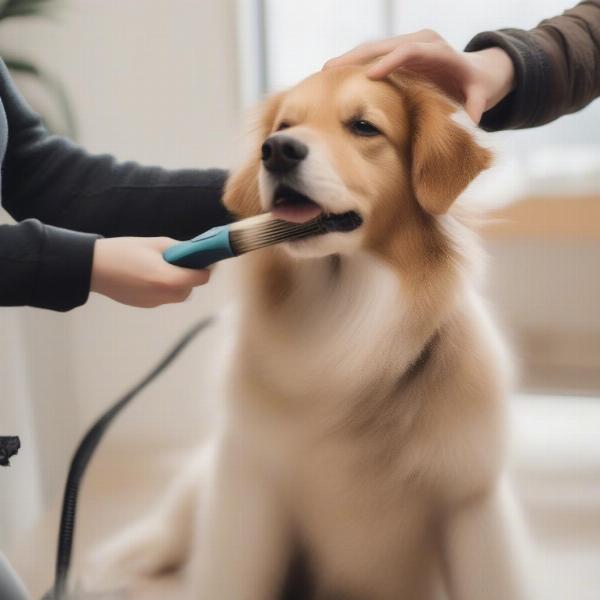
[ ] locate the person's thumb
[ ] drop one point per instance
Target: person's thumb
(161, 243)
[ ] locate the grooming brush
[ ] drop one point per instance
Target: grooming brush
(251, 234)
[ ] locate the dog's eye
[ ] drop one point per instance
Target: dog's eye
(363, 128)
(283, 125)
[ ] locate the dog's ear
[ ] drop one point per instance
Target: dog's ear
(242, 197)
(445, 155)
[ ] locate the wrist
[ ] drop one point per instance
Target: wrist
(97, 278)
(498, 72)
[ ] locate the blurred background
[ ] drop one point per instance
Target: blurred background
(168, 82)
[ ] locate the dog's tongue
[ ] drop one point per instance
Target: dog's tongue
(296, 212)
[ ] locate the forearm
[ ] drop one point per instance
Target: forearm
(54, 180)
(143, 201)
(71, 189)
(556, 66)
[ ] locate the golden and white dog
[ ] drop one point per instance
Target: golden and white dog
(365, 422)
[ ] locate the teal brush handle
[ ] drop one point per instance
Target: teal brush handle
(200, 252)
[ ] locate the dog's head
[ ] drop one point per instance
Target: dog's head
(393, 151)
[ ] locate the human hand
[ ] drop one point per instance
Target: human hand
(132, 270)
(477, 79)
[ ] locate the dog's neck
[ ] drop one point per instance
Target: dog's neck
(329, 326)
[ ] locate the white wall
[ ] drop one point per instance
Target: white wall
(20, 498)
(154, 81)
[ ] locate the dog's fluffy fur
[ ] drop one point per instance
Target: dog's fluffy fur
(365, 422)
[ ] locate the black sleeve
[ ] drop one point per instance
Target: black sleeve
(557, 68)
(50, 179)
(44, 266)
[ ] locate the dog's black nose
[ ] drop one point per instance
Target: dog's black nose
(281, 153)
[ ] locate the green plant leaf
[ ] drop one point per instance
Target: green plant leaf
(52, 85)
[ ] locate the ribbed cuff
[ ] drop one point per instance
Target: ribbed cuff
(64, 269)
(522, 107)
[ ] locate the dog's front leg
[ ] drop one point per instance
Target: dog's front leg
(486, 553)
(242, 546)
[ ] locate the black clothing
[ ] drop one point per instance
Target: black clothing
(77, 197)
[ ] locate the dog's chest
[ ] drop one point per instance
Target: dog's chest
(337, 334)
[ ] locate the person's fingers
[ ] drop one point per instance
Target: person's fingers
(199, 277)
(181, 295)
(435, 54)
(161, 243)
(181, 278)
(371, 50)
(170, 296)
(362, 54)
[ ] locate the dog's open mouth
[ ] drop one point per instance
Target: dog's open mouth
(293, 206)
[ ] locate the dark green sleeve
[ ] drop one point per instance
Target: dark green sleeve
(55, 182)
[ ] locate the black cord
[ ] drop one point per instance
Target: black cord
(82, 458)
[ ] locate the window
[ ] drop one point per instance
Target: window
(301, 36)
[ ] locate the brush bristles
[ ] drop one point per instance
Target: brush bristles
(259, 232)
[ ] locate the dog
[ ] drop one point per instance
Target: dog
(366, 415)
